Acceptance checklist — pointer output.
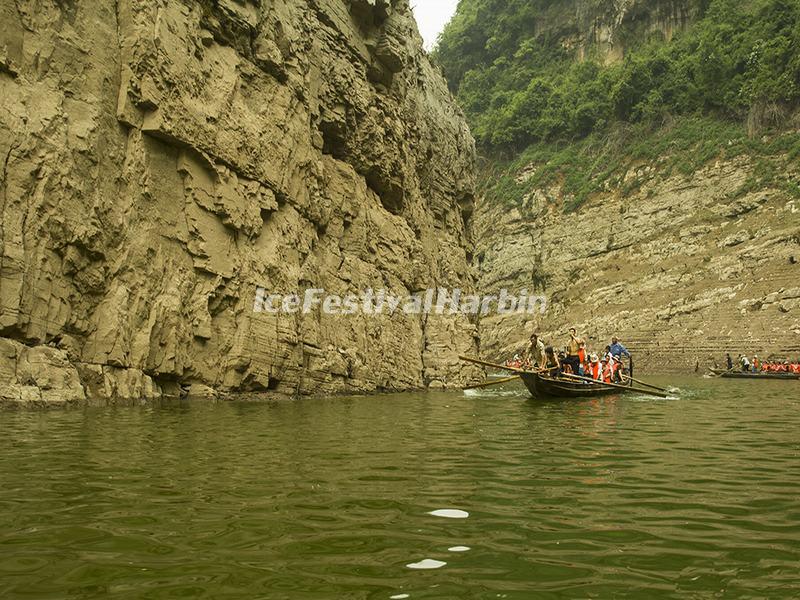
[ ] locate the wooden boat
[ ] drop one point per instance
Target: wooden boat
(566, 386)
(746, 375)
(547, 387)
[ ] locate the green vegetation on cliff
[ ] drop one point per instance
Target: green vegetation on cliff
(603, 159)
(519, 84)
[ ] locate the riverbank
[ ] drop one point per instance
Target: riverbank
(34, 398)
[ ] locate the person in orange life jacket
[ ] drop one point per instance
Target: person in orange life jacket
(606, 354)
(612, 367)
(617, 370)
(582, 357)
(595, 370)
(756, 363)
(608, 365)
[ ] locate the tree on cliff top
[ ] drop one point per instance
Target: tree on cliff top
(510, 65)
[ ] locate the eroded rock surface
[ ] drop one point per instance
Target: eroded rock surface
(162, 159)
(681, 269)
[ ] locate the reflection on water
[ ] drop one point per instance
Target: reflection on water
(691, 497)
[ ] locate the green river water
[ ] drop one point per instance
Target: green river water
(696, 496)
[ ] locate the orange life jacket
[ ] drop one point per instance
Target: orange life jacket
(595, 370)
(607, 371)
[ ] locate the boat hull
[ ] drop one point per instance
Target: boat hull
(546, 387)
(761, 376)
(779, 376)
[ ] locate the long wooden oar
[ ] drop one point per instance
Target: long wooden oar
(504, 367)
(644, 383)
(493, 365)
(614, 385)
(490, 383)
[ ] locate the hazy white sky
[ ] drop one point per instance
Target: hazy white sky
(432, 16)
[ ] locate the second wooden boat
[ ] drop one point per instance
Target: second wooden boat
(750, 375)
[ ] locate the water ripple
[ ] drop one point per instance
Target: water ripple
(693, 497)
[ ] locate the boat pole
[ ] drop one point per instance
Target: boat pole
(650, 385)
(493, 365)
(614, 385)
(490, 383)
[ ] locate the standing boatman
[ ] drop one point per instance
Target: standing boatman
(573, 358)
(745, 362)
(618, 350)
(535, 353)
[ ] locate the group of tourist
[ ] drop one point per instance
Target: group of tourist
(762, 366)
(575, 359)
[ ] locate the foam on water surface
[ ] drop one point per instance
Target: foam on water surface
(450, 513)
(427, 564)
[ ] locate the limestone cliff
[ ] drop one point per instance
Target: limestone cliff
(605, 29)
(682, 269)
(639, 172)
(161, 159)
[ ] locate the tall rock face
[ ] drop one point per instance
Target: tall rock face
(686, 250)
(163, 159)
(682, 270)
(606, 29)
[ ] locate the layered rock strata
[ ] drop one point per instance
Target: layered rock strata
(682, 270)
(163, 159)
